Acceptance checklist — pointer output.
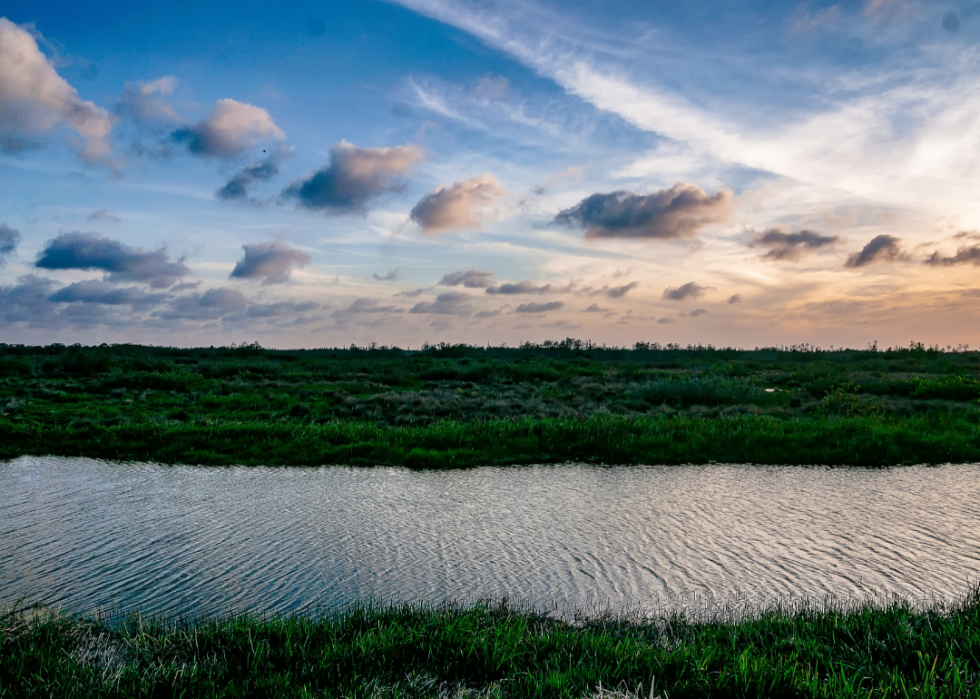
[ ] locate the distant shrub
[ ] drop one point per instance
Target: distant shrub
(708, 391)
(960, 388)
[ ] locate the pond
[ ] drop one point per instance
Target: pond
(86, 534)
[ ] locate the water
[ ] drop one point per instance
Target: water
(87, 534)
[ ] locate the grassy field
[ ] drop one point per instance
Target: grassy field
(499, 650)
(456, 405)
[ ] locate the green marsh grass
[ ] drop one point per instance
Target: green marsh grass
(499, 649)
(453, 406)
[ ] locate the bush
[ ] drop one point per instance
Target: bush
(961, 388)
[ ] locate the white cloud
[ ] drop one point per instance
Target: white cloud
(34, 99)
(231, 129)
(460, 206)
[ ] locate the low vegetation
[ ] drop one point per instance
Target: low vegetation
(500, 650)
(457, 405)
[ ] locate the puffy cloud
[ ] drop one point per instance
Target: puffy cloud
(967, 255)
(539, 307)
(460, 206)
(735, 298)
(237, 187)
(27, 301)
(691, 290)
(96, 291)
(211, 305)
(678, 212)
(697, 312)
(391, 276)
(123, 263)
(270, 262)
(471, 279)
(143, 102)
(35, 99)
(882, 248)
(231, 129)
(448, 303)
(9, 239)
(790, 246)
(353, 177)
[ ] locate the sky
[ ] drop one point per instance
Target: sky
(320, 174)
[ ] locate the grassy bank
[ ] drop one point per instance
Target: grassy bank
(451, 406)
(451, 444)
(499, 650)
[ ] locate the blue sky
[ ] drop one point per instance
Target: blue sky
(319, 174)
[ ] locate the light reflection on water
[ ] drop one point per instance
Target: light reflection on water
(89, 534)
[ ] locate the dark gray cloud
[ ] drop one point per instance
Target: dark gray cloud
(213, 304)
(236, 189)
(540, 307)
(447, 303)
(230, 130)
(691, 290)
(697, 312)
(9, 240)
(413, 294)
(96, 291)
(270, 262)
(102, 215)
(790, 246)
(967, 255)
(460, 206)
(524, 288)
(278, 310)
(184, 286)
(353, 177)
(366, 306)
(882, 248)
(91, 251)
(678, 212)
(27, 302)
(596, 308)
(951, 22)
(471, 279)
(735, 298)
(391, 276)
(617, 292)
(664, 321)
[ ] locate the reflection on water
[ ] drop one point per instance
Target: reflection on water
(87, 534)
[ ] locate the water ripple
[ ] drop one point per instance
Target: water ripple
(88, 534)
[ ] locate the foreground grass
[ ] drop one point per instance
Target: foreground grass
(451, 406)
(499, 650)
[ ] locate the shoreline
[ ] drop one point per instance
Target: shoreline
(500, 649)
